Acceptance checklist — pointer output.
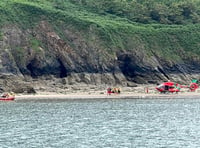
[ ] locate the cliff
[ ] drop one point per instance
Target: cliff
(48, 48)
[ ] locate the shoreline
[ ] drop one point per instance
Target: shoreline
(86, 96)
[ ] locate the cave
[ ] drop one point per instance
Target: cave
(132, 70)
(63, 70)
(31, 69)
(127, 66)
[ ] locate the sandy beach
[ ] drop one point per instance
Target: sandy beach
(104, 95)
(92, 92)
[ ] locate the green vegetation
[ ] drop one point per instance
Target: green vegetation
(19, 54)
(168, 28)
(148, 11)
(35, 44)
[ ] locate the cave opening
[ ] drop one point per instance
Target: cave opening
(126, 65)
(63, 70)
(31, 69)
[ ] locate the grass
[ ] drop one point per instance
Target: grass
(35, 44)
(113, 33)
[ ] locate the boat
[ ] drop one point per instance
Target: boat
(10, 98)
(7, 97)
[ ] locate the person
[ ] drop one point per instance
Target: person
(109, 91)
(5, 95)
(119, 90)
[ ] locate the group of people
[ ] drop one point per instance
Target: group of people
(114, 90)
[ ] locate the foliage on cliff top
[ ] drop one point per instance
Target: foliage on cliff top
(148, 11)
(168, 28)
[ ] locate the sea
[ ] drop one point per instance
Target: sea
(100, 123)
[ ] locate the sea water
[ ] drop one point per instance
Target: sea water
(104, 123)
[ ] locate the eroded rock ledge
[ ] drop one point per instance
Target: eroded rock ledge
(39, 59)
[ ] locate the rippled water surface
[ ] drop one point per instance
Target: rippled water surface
(115, 123)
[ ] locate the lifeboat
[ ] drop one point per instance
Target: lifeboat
(7, 97)
(11, 98)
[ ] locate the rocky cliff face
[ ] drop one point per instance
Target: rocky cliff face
(39, 59)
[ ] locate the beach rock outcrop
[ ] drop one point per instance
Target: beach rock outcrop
(40, 53)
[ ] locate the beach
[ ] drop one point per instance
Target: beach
(148, 92)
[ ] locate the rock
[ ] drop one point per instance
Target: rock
(28, 90)
(130, 84)
(55, 61)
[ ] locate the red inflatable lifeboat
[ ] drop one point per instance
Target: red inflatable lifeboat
(7, 97)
